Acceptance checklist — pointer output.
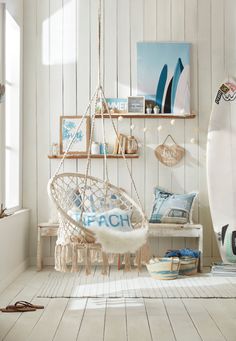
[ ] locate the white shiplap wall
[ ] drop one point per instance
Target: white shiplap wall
(60, 66)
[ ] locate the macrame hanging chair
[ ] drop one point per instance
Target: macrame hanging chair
(78, 197)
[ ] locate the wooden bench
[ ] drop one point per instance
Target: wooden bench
(179, 231)
(155, 230)
(44, 230)
(50, 230)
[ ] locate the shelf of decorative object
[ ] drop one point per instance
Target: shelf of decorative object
(127, 115)
(98, 156)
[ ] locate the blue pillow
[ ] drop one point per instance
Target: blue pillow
(101, 205)
(116, 219)
(172, 208)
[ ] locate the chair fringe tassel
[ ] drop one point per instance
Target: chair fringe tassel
(68, 257)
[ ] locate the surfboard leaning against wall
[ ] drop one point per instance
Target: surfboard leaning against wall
(221, 169)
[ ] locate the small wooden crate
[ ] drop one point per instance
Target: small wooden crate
(164, 268)
(188, 266)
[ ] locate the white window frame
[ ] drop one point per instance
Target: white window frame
(3, 9)
(2, 105)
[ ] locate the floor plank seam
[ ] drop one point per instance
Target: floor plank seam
(190, 317)
(104, 323)
(149, 326)
(81, 322)
(54, 335)
(43, 311)
(167, 313)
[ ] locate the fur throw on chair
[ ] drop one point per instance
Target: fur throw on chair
(120, 242)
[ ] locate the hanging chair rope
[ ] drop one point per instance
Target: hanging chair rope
(99, 43)
(100, 101)
(65, 188)
(75, 133)
(122, 151)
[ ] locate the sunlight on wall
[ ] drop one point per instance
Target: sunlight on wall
(59, 36)
(12, 120)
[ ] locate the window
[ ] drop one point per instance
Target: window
(11, 114)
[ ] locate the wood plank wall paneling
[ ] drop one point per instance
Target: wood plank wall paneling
(60, 51)
(30, 172)
(110, 74)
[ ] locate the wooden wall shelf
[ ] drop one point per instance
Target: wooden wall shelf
(100, 156)
(147, 116)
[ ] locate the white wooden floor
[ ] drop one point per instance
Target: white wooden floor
(113, 319)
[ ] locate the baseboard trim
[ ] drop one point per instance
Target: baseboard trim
(207, 261)
(14, 274)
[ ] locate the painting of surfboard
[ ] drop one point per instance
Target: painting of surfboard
(163, 75)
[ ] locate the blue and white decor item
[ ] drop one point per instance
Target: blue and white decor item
(69, 128)
(189, 260)
(164, 268)
(172, 208)
(188, 266)
(116, 219)
(103, 148)
(118, 105)
(163, 75)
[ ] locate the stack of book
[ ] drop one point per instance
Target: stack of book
(225, 270)
(120, 144)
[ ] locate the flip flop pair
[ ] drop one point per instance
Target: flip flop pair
(20, 307)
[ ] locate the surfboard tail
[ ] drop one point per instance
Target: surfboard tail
(167, 106)
(178, 70)
(161, 87)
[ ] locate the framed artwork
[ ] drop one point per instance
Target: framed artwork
(164, 75)
(136, 105)
(68, 126)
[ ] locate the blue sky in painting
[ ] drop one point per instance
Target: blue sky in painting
(151, 59)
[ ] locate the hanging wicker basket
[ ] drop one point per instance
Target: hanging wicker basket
(164, 268)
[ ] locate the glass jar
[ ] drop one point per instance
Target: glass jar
(55, 149)
(103, 148)
(95, 148)
(131, 145)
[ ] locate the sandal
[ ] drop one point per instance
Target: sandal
(15, 309)
(22, 304)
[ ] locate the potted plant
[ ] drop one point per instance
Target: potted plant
(149, 109)
(156, 109)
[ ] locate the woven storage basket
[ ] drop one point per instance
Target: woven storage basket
(164, 268)
(188, 266)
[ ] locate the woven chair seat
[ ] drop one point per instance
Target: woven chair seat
(70, 190)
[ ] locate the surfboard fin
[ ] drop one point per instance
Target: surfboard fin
(223, 233)
(233, 241)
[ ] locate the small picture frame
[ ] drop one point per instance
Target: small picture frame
(68, 126)
(136, 105)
